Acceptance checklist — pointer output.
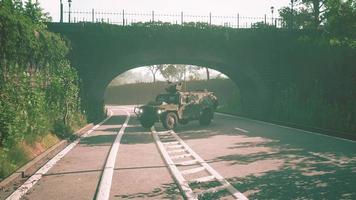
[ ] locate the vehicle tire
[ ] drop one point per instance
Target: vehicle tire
(146, 122)
(183, 121)
(169, 120)
(206, 117)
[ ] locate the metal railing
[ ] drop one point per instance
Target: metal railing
(125, 18)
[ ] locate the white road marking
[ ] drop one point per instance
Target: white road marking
(106, 179)
(238, 195)
(242, 130)
(193, 170)
(203, 179)
(262, 122)
(24, 188)
(182, 183)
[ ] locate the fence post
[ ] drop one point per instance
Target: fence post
(123, 17)
(61, 10)
(153, 16)
(181, 18)
(238, 20)
(92, 15)
(265, 19)
(69, 12)
(210, 18)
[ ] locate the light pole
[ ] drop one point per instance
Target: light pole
(272, 10)
(61, 11)
(69, 11)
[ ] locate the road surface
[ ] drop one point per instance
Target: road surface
(121, 160)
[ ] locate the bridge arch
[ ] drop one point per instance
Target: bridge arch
(101, 52)
(252, 86)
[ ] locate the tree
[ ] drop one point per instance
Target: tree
(308, 14)
(193, 72)
(336, 17)
(317, 8)
(207, 73)
(299, 18)
(341, 21)
(174, 73)
(154, 69)
(35, 12)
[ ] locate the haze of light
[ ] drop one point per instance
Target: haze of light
(253, 8)
(142, 74)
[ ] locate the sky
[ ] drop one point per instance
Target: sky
(250, 8)
(142, 74)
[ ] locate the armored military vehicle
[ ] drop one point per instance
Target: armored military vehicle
(176, 107)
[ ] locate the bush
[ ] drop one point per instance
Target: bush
(38, 87)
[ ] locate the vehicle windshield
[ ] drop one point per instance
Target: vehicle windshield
(168, 98)
(162, 98)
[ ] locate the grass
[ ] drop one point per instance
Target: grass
(14, 158)
(209, 195)
(213, 195)
(17, 156)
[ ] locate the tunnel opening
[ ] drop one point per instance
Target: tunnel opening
(141, 85)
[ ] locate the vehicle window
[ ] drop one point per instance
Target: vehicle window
(162, 98)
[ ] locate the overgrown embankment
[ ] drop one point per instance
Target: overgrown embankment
(39, 90)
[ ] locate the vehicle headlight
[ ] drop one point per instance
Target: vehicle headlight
(140, 110)
(159, 112)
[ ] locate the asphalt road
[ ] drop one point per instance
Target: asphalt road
(261, 160)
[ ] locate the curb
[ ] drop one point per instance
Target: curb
(9, 184)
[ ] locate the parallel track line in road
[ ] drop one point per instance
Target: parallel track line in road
(24, 188)
(104, 188)
(183, 184)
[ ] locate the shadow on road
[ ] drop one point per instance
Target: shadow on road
(304, 174)
(312, 166)
(166, 191)
(98, 140)
(135, 134)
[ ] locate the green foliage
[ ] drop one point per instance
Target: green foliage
(199, 25)
(335, 17)
(296, 19)
(174, 73)
(38, 87)
(10, 160)
(262, 25)
(313, 110)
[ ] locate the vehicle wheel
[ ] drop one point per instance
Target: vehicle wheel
(169, 120)
(147, 123)
(183, 121)
(205, 118)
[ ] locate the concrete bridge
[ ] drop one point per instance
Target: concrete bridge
(262, 62)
